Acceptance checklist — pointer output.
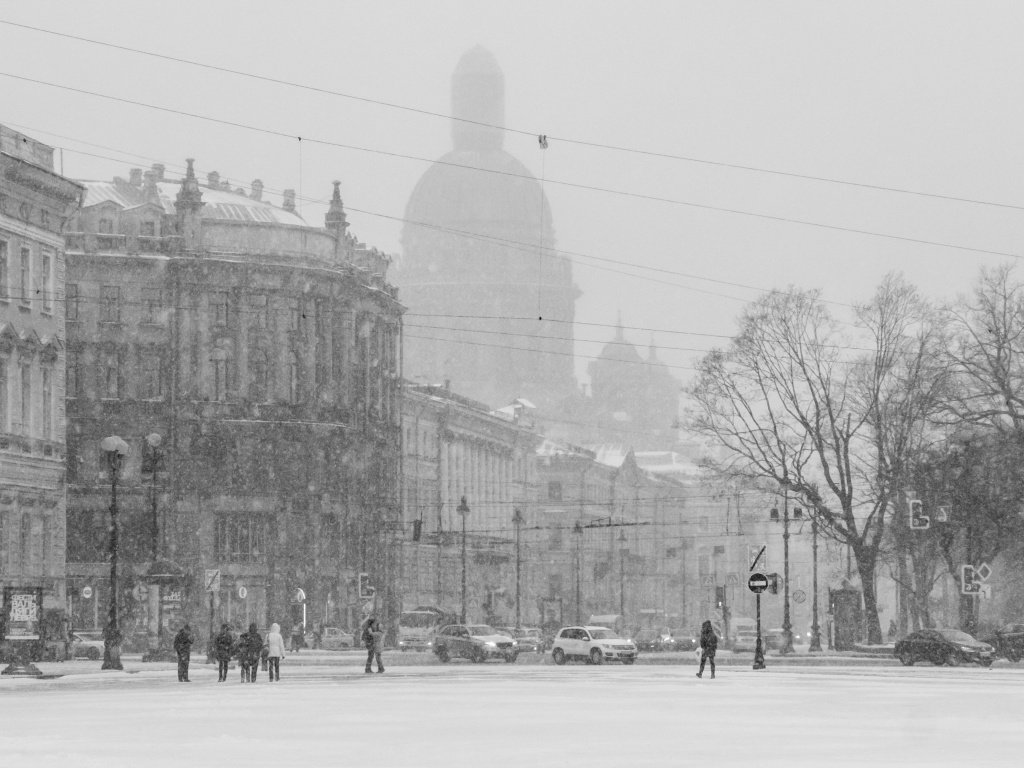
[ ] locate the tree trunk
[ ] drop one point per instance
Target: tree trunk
(968, 611)
(905, 606)
(866, 569)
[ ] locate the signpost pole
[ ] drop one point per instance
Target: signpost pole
(759, 647)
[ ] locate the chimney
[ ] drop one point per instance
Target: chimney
(257, 190)
(135, 177)
(213, 180)
(289, 200)
(149, 186)
(158, 171)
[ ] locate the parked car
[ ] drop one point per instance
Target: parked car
(647, 640)
(744, 640)
(336, 639)
(87, 644)
(593, 644)
(528, 639)
(942, 646)
(1007, 641)
(775, 639)
(684, 639)
(476, 642)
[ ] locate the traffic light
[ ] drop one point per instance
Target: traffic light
(918, 520)
(417, 529)
(719, 597)
(773, 583)
(969, 582)
(366, 591)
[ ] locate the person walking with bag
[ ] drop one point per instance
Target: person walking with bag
(708, 647)
(223, 646)
(183, 648)
(275, 651)
(373, 639)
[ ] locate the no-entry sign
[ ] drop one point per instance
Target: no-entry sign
(757, 582)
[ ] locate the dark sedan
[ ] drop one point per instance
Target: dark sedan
(942, 646)
(1008, 641)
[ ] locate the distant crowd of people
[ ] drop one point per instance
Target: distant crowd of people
(252, 651)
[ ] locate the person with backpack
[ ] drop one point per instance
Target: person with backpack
(223, 646)
(373, 639)
(183, 648)
(708, 647)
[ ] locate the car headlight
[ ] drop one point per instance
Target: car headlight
(490, 643)
(967, 648)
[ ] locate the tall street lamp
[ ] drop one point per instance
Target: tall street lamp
(815, 630)
(622, 574)
(116, 449)
(577, 529)
(517, 520)
(787, 626)
(463, 509)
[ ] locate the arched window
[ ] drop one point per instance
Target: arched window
(259, 376)
(221, 360)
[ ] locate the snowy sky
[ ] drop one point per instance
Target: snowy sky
(921, 96)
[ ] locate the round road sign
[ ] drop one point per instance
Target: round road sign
(242, 591)
(757, 582)
(86, 592)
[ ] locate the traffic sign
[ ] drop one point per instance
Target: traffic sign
(733, 579)
(983, 571)
(139, 592)
(799, 596)
(86, 592)
(242, 592)
(212, 580)
(708, 580)
(757, 582)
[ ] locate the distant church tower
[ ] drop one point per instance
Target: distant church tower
(478, 255)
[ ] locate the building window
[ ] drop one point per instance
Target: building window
(259, 376)
(554, 491)
(219, 307)
(259, 308)
(72, 376)
(147, 229)
(25, 276)
(295, 315)
(26, 400)
(4, 285)
(150, 384)
(47, 395)
(111, 375)
(71, 302)
(152, 305)
(239, 538)
(221, 374)
(110, 304)
(293, 378)
(46, 281)
(106, 227)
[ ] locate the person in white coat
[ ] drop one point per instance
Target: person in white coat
(275, 651)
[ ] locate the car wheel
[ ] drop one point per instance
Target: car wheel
(985, 662)
(628, 660)
(92, 654)
(478, 656)
(442, 655)
(906, 659)
(953, 659)
(511, 658)
(558, 656)
(596, 656)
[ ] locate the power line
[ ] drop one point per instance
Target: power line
(550, 137)
(573, 185)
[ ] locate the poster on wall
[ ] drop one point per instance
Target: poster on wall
(23, 613)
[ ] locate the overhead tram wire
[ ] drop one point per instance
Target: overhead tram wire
(572, 185)
(517, 131)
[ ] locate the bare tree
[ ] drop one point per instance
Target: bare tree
(794, 401)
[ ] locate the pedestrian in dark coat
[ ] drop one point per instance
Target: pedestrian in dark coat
(373, 639)
(708, 647)
(183, 648)
(249, 646)
(223, 647)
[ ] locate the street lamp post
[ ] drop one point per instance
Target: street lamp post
(787, 626)
(517, 520)
(116, 449)
(153, 440)
(622, 574)
(577, 529)
(815, 630)
(463, 509)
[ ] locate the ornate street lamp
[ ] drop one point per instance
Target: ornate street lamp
(787, 626)
(815, 629)
(116, 449)
(517, 521)
(463, 509)
(623, 551)
(577, 529)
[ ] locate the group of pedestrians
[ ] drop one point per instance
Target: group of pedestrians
(249, 648)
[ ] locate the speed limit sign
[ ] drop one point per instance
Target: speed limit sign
(242, 591)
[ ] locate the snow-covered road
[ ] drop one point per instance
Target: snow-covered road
(539, 715)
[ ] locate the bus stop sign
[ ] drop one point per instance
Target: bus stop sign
(757, 582)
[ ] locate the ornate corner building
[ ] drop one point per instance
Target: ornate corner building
(263, 353)
(35, 205)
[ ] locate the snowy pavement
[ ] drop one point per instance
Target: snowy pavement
(535, 715)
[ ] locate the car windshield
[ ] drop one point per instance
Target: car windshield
(956, 636)
(602, 634)
(417, 619)
(481, 630)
